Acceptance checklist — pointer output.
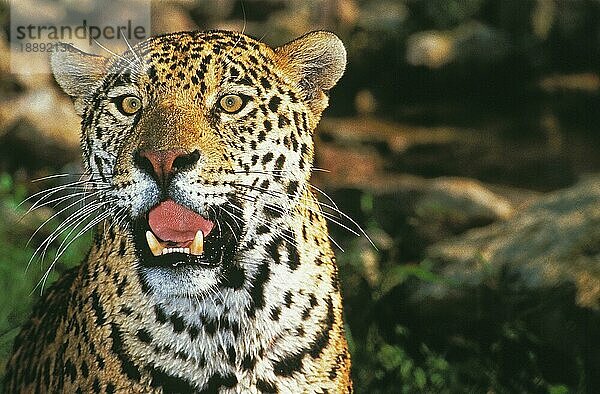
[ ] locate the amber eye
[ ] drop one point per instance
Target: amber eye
(129, 105)
(231, 103)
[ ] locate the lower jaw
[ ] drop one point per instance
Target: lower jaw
(182, 281)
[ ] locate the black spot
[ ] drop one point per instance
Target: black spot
(288, 365)
(262, 229)
(293, 256)
(292, 188)
(144, 335)
(217, 381)
(235, 329)
(258, 289)
(275, 313)
(96, 386)
(177, 321)
(268, 126)
(110, 388)
(288, 298)
(98, 309)
(231, 355)
(267, 158)
(193, 331)
(117, 347)
(265, 386)
(210, 325)
(265, 83)
(152, 73)
(303, 149)
(313, 300)
(85, 371)
(280, 162)
(335, 282)
(305, 313)
(161, 316)
(235, 277)
(252, 73)
(169, 383)
(322, 339)
(294, 142)
(274, 103)
(248, 362)
(71, 370)
(265, 184)
(261, 137)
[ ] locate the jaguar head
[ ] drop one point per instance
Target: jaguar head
(199, 141)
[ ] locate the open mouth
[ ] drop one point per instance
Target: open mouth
(171, 235)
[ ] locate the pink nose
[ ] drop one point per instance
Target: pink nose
(162, 163)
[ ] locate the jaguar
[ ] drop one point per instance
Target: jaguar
(211, 268)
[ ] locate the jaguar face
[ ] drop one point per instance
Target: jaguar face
(201, 140)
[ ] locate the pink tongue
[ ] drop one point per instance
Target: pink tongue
(170, 221)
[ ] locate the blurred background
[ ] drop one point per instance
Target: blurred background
(463, 139)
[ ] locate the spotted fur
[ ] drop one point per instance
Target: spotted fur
(267, 320)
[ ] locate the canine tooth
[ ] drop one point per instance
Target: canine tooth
(186, 250)
(153, 243)
(197, 246)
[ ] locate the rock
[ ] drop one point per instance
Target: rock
(419, 212)
(554, 241)
(415, 211)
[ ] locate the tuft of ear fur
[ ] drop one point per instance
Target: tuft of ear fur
(318, 61)
(78, 73)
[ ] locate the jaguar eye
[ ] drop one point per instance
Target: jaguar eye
(231, 103)
(128, 105)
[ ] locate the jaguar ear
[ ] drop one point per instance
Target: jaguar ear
(317, 61)
(78, 73)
